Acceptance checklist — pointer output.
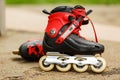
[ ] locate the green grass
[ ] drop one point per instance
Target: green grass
(63, 1)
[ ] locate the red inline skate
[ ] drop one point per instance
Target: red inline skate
(64, 45)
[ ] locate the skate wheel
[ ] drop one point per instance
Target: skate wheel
(15, 52)
(101, 67)
(63, 68)
(80, 68)
(43, 66)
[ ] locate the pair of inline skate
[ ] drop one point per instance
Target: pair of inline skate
(63, 46)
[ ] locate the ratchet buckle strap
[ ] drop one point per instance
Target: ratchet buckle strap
(72, 27)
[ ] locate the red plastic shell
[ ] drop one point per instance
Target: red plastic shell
(56, 22)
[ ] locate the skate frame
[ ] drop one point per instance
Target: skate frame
(79, 60)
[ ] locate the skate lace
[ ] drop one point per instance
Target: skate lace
(95, 34)
(81, 12)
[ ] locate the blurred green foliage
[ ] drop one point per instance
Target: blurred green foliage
(62, 1)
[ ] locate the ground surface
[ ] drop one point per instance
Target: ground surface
(13, 67)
